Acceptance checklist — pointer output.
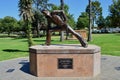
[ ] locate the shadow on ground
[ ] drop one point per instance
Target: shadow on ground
(14, 50)
(117, 68)
(25, 66)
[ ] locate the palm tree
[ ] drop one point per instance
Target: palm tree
(25, 8)
(90, 22)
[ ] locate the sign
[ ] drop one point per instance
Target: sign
(65, 63)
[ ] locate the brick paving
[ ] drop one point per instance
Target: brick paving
(18, 69)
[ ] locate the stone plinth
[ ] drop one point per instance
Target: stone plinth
(65, 61)
(83, 33)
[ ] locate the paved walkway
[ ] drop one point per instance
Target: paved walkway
(18, 69)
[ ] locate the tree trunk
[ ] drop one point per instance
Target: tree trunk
(67, 34)
(38, 35)
(62, 32)
(8, 34)
(93, 21)
(90, 22)
(62, 4)
(29, 34)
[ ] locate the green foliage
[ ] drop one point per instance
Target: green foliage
(115, 13)
(71, 21)
(55, 7)
(21, 26)
(66, 8)
(8, 24)
(1, 25)
(108, 21)
(25, 9)
(101, 22)
(39, 19)
(96, 10)
(83, 21)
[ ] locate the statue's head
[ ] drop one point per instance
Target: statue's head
(46, 12)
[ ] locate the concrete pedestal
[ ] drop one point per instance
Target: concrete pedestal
(65, 61)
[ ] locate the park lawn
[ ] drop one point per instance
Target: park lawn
(109, 43)
(15, 47)
(18, 47)
(12, 48)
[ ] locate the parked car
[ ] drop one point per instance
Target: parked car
(96, 31)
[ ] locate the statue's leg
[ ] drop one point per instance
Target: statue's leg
(64, 26)
(67, 34)
(78, 36)
(48, 37)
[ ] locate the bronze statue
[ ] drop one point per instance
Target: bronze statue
(58, 17)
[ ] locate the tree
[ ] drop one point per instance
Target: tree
(62, 4)
(83, 21)
(62, 32)
(100, 22)
(8, 24)
(42, 4)
(55, 7)
(22, 27)
(96, 10)
(39, 18)
(90, 21)
(115, 13)
(108, 21)
(71, 20)
(25, 8)
(0, 25)
(38, 22)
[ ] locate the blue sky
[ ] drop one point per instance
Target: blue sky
(10, 7)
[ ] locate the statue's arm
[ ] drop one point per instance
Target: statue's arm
(61, 12)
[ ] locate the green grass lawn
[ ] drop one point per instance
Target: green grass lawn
(16, 47)
(109, 43)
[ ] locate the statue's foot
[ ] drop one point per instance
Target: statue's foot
(85, 45)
